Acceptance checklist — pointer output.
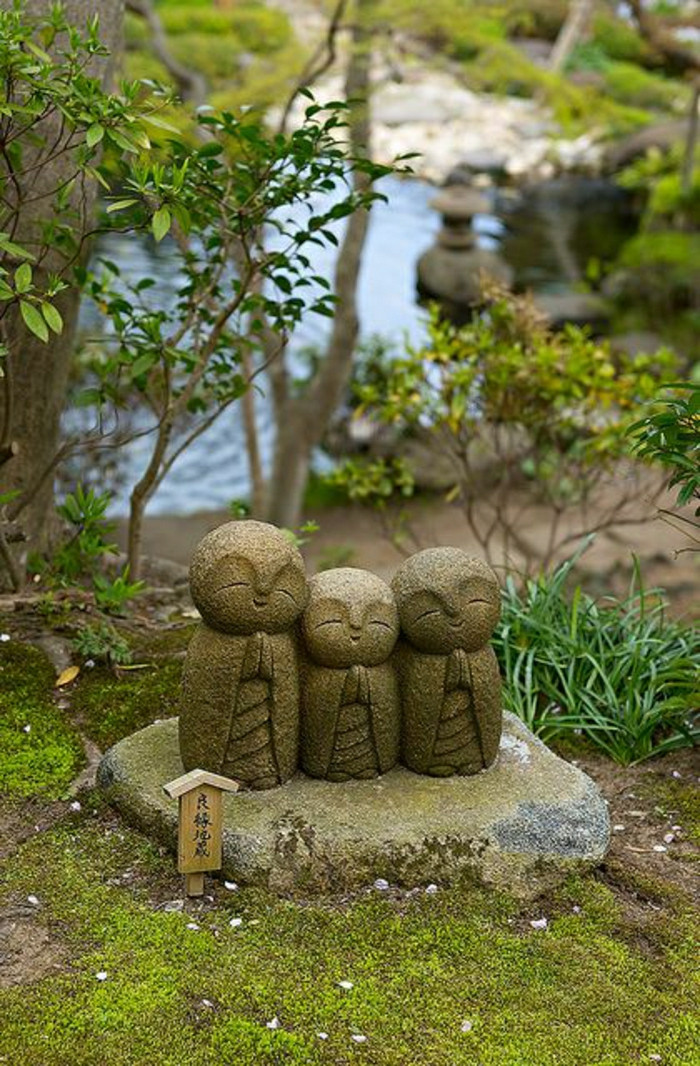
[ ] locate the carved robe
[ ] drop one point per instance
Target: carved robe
(452, 711)
(350, 721)
(239, 705)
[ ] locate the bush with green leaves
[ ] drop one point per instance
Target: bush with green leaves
(526, 417)
(619, 673)
(669, 434)
(102, 643)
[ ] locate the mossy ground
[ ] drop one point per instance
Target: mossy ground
(598, 986)
(610, 981)
(40, 750)
(110, 707)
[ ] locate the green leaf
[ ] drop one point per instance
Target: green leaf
(161, 223)
(120, 205)
(33, 321)
(94, 135)
(6, 245)
(23, 278)
(52, 317)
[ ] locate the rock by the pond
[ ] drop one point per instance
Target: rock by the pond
(520, 826)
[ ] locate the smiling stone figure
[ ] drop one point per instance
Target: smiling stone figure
(239, 707)
(449, 603)
(350, 702)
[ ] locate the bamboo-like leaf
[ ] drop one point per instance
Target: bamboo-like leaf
(33, 320)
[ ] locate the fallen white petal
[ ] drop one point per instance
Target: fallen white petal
(676, 774)
(660, 847)
(676, 828)
(539, 923)
(230, 885)
(33, 900)
(618, 828)
(431, 890)
(274, 1024)
(345, 984)
(467, 1026)
(235, 922)
(89, 663)
(4, 637)
(576, 909)
(655, 1058)
(101, 976)
(192, 925)
(207, 1003)
(358, 1038)
(76, 805)
(322, 1036)
(174, 905)
(26, 729)
(381, 884)
(669, 838)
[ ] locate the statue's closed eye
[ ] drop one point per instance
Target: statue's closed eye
(426, 614)
(329, 622)
(233, 585)
(287, 593)
(377, 622)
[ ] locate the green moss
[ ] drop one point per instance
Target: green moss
(112, 707)
(677, 799)
(597, 987)
(630, 84)
(162, 641)
(40, 752)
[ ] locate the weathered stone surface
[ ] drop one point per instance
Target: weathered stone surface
(239, 707)
(453, 273)
(449, 603)
(520, 826)
(350, 697)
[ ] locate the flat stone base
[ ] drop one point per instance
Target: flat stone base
(520, 826)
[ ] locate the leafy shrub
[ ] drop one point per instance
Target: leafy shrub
(102, 643)
(618, 672)
(85, 513)
(662, 270)
(250, 26)
(618, 39)
(670, 435)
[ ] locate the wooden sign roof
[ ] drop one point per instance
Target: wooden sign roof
(197, 778)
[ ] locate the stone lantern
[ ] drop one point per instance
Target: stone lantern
(450, 270)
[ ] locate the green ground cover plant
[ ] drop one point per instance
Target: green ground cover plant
(40, 751)
(619, 673)
(111, 707)
(458, 977)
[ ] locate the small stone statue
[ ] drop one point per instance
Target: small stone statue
(350, 701)
(449, 603)
(239, 709)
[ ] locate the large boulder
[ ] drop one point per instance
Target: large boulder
(520, 826)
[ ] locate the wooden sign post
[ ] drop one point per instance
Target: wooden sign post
(199, 829)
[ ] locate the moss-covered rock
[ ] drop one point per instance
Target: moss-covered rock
(40, 751)
(520, 826)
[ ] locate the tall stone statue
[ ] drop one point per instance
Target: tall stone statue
(239, 708)
(350, 701)
(449, 603)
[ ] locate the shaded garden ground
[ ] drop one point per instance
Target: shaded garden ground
(104, 962)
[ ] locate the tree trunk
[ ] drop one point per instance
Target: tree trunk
(302, 421)
(39, 372)
(571, 33)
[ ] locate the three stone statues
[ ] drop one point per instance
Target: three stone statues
(341, 675)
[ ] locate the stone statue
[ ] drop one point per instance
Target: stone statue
(449, 603)
(350, 700)
(239, 710)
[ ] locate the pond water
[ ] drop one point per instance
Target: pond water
(548, 236)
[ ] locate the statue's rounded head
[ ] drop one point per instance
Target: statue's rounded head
(447, 599)
(351, 619)
(248, 577)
